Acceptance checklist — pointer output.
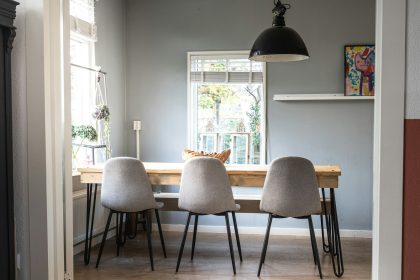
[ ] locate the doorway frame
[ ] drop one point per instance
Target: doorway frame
(388, 139)
(388, 150)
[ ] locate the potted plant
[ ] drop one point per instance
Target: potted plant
(102, 117)
(82, 133)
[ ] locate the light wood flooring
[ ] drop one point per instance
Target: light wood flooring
(287, 258)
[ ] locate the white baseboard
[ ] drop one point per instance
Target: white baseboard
(261, 230)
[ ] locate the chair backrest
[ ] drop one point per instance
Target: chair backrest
(205, 187)
(291, 188)
(126, 186)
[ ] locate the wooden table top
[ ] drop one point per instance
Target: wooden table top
(164, 173)
(176, 168)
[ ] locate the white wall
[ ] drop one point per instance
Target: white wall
(20, 140)
(29, 141)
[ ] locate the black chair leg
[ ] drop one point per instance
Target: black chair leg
(149, 240)
(264, 250)
(268, 237)
(143, 224)
(238, 242)
(181, 250)
(117, 227)
(194, 236)
(162, 241)
(315, 247)
(125, 230)
(104, 237)
(232, 255)
(120, 232)
(134, 235)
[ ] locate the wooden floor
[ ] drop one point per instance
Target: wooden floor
(287, 258)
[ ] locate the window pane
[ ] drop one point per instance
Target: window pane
(227, 100)
(82, 97)
(228, 116)
(82, 83)
(79, 52)
(210, 65)
(83, 9)
(239, 65)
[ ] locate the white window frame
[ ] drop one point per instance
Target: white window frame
(190, 99)
(90, 63)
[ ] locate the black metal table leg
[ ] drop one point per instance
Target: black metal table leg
(88, 201)
(90, 217)
(336, 250)
(325, 244)
(333, 244)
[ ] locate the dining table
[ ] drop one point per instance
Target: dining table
(240, 175)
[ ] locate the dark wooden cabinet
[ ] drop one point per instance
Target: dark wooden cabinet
(7, 228)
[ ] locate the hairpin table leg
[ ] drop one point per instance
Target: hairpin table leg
(335, 245)
(90, 217)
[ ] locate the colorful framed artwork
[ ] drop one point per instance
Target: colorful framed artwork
(359, 70)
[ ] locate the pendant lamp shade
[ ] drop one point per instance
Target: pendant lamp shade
(279, 43)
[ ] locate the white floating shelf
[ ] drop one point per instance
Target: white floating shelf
(324, 96)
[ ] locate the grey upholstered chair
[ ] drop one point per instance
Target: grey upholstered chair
(291, 190)
(205, 189)
(126, 189)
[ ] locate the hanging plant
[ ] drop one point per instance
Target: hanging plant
(102, 115)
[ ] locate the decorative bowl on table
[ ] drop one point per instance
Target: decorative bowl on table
(222, 156)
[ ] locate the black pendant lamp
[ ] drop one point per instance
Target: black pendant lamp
(279, 42)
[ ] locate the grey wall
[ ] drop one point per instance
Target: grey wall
(161, 32)
(110, 51)
(412, 99)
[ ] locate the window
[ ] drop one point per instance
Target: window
(82, 81)
(227, 105)
(82, 53)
